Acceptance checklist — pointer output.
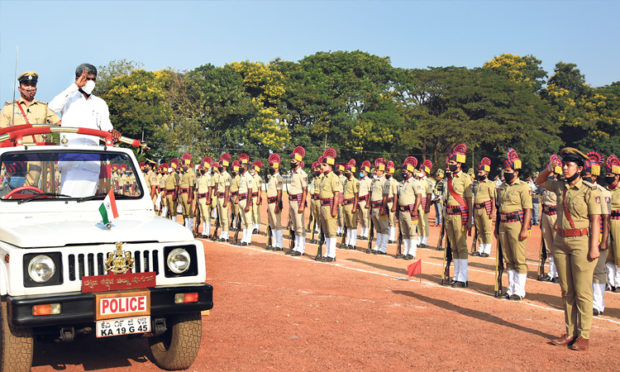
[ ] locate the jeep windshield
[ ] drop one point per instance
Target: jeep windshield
(67, 175)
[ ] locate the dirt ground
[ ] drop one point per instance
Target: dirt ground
(276, 312)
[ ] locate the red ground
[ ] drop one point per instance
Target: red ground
(275, 312)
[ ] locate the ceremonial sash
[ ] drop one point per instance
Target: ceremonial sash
(462, 204)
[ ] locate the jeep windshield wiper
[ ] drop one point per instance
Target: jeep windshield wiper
(97, 195)
(43, 195)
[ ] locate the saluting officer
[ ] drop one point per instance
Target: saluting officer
(612, 177)
(330, 189)
(257, 193)
(350, 193)
(274, 202)
(458, 205)
(591, 171)
(484, 203)
(547, 223)
(186, 190)
(427, 191)
(576, 248)
(379, 191)
(515, 211)
(203, 195)
(172, 186)
(223, 196)
(364, 193)
(410, 193)
(246, 187)
(391, 205)
(297, 192)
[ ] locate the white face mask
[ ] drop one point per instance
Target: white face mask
(88, 88)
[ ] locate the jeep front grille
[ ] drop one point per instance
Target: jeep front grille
(89, 264)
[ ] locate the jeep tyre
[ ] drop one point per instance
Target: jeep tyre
(16, 344)
(178, 347)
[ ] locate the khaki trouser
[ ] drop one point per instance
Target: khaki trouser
(483, 225)
(362, 213)
(512, 248)
(391, 216)
(350, 218)
(205, 210)
(329, 224)
(408, 225)
(172, 205)
(548, 233)
(340, 216)
(380, 222)
(600, 271)
(575, 275)
(255, 210)
(296, 219)
(614, 247)
(423, 222)
(186, 205)
(457, 236)
(316, 212)
(223, 213)
(246, 217)
(275, 219)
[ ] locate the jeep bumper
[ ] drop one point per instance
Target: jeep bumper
(79, 308)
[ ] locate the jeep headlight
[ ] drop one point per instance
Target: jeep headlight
(41, 268)
(178, 260)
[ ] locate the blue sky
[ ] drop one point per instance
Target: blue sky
(53, 37)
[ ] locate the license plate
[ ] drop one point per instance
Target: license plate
(112, 305)
(123, 326)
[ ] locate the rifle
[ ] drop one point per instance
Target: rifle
(217, 226)
(447, 259)
(442, 233)
(371, 234)
(293, 236)
(475, 241)
(499, 261)
(269, 237)
(399, 248)
(236, 238)
(197, 224)
(314, 226)
(543, 258)
(344, 237)
(474, 189)
(319, 252)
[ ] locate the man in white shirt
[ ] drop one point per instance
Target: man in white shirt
(78, 107)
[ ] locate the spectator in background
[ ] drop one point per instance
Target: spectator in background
(536, 192)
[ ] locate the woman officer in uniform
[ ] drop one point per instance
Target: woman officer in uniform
(576, 247)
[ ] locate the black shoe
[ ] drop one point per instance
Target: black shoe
(458, 284)
(596, 312)
(409, 257)
(329, 259)
(352, 247)
(516, 297)
(374, 251)
(362, 238)
(391, 241)
(318, 258)
(245, 244)
(368, 251)
(296, 253)
(555, 280)
(255, 231)
(289, 252)
(278, 249)
(476, 254)
(484, 254)
(400, 256)
(507, 296)
(422, 246)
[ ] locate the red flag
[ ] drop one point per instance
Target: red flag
(415, 268)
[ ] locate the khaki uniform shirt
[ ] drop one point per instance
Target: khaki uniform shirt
(351, 188)
(461, 182)
(172, 181)
(605, 200)
(330, 184)
(246, 182)
(162, 181)
(364, 186)
(258, 183)
(582, 200)
(393, 187)
(299, 182)
(311, 186)
(615, 199)
(234, 185)
(223, 181)
(378, 188)
(37, 113)
(274, 184)
(407, 191)
(203, 183)
(515, 197)
(484, 192)
(186, 180)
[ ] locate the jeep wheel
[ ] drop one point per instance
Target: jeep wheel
(16, 344)
(178, 347)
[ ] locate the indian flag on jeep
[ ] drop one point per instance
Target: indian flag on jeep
(108, 208)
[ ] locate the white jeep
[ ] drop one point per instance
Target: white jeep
(65, 273)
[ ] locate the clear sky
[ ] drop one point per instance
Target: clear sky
(53, 37)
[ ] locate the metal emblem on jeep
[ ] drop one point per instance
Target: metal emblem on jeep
(119, 261)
